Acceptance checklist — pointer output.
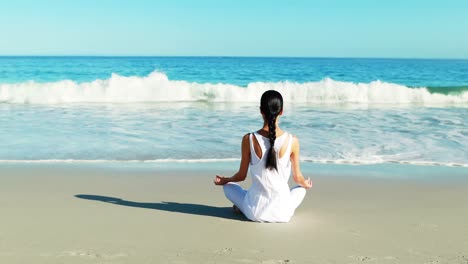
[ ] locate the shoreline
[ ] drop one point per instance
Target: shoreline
(174, 214)
(380, 170)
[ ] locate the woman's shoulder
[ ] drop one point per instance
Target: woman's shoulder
(294, 137)
(246, 137)
(295, 143)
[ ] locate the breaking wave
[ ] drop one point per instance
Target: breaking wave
(156, 87)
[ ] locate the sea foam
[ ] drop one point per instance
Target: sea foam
(157, 87)
(156, 161)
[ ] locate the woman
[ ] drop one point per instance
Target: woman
(270, 153)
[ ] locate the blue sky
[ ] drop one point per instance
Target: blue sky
(333, 28)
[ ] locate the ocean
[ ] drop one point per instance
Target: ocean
(196, 109)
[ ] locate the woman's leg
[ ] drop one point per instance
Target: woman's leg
(297, 195)
(235, 194)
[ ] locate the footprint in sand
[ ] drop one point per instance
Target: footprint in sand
(362, 258)
(269, 261)
(80, 253)
(90, 255)
(463, 259)
(424, 227)
(433, 261)
(249, 261)
(224, 251)
(276, 261)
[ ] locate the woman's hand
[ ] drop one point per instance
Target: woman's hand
(307, 183)
(220, 180)
(244, 165)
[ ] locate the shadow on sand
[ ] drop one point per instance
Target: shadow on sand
(185, 208)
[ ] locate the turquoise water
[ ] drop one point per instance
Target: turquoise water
(195, 109)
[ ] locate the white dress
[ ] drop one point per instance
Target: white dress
(269, 199)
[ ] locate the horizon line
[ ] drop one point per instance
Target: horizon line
(234, 56)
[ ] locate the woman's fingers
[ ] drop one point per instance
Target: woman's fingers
(218, 180)
(308, 183)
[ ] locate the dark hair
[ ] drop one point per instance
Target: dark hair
(271, 105)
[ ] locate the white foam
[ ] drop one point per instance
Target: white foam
(311, 160)
(371, 162)
(156, 87)
(120, 161)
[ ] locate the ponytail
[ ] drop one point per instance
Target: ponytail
(271, 156)
(271, 104)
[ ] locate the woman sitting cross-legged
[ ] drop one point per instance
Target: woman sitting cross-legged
(270, 153)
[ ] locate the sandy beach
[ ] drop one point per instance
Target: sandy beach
(93, 214)
(117, 119)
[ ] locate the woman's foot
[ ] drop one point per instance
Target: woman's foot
(236, 209)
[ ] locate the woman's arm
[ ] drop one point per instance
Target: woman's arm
(244, 165)
(297, 174)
